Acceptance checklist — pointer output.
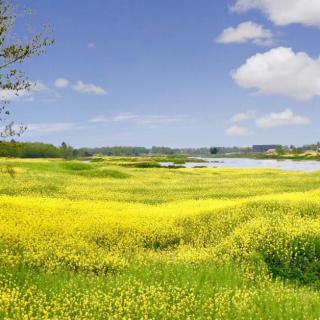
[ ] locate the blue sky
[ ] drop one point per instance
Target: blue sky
(180, 73)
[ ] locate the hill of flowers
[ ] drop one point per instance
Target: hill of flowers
(114, 240)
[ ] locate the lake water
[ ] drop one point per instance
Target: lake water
(306, 166)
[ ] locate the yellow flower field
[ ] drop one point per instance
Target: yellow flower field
(109, 241)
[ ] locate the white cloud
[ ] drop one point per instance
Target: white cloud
(117, 118)
(238, 131)
(99, 119)
(50, 127)
(12, 95)
(285, 118)
(147, 120)
(89, 88)
(243, 116)
(246, 32)
(284, 12)
(61, 83)
(280, 71)
(30, 98)
(273, 119)
(124, 117)
(38, 86)
(158, 120)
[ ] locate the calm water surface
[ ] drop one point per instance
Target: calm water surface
(306, 166)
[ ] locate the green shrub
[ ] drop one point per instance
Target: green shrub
(76, 166)
(143, 165)
(97, 159)
(302, 265)
(105, 173)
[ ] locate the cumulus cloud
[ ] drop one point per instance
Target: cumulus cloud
(89, 88)
(238, 131)
(284, 12)
(280, 71)
(285, 118)
(246, 32)
(243, 116)
(61, 83)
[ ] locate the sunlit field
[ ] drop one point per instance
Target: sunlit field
(110, 240)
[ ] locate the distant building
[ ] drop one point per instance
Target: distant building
(271, 151)
(265, 147)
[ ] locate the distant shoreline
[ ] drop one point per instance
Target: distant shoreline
(261, 156)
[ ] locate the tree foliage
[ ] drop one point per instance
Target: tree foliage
(35, 150)
(214, 150)
(13, 52)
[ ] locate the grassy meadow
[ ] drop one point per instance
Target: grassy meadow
(121, 238)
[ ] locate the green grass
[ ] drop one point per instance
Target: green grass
(206, 282)
(76, 166)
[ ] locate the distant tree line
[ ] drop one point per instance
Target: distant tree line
(135, 151)
(42, 150)
(35, 150)
(113, 151)
(229, 150)
(306, 147)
